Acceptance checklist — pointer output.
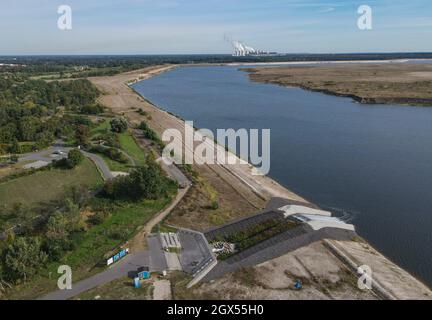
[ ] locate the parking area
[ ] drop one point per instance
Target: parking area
(190, 252)
(196, 253)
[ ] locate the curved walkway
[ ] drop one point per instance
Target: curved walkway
(100, 164)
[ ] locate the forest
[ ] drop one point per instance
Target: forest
(34, 110)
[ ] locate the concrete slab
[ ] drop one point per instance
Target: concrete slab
(173, 261)
(36, 165)
(195, 252)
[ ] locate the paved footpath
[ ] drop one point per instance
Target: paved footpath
(125, 267)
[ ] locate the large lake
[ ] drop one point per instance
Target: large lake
(374, 161)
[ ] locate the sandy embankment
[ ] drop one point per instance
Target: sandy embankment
(242, 187)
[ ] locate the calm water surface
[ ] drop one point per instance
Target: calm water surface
(374, 161)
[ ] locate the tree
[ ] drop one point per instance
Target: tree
(146, 182)
(22, 258)
(28, 127)
(57, 236)
(74, 158)
(15, 147)
(82, 135)
(118, 125)
(44, 138)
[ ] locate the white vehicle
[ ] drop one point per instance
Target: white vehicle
(58, 153)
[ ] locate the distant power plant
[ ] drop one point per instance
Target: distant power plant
(242, 50)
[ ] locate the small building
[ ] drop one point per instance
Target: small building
(144, 273)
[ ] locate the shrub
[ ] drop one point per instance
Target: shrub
(22, 258)
(118, 125)
(142, 112)
(116, 155)
(214, 205)
(147, 132)
(111, 153)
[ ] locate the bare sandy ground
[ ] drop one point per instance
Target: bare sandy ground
(247, 192)
(322, 275)
(392, 83)
(162, 290)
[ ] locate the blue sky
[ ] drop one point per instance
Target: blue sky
(199, 26)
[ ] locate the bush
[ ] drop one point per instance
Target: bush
(214, 205)
(110, 139)
(111, 153)
(142, 112)
(22, 258)
(118, 125)
(147, 132)
(116, 155)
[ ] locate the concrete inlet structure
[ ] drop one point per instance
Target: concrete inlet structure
(193, 251)
(315, 218)
(311, 224)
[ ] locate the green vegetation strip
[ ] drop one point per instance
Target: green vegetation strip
(113, 231)
(255, 234)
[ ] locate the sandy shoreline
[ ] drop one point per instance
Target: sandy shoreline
(326, 62)
(119, 97)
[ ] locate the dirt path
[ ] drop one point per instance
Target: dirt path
(138, 242)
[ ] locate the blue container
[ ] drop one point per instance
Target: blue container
(137, 283)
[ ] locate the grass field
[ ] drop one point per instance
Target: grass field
(128, 144)
(47, 185)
